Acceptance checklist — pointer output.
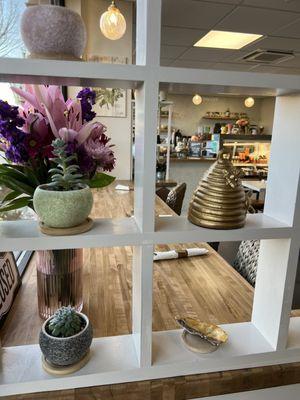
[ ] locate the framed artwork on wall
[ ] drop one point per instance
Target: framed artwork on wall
(110, 102)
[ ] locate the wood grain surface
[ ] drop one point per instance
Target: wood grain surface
(181, 388)
(204, 287)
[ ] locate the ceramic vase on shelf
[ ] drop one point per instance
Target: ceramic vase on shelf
(219, 202)
(59, 280)
(53, 32)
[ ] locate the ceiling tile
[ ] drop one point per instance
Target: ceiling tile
(232, 66)
(276, 43)
(291, 5)
(255, 20)
(206, 54)
(193, 14)
(191, 64)
(276, 70)
(294, 62)
(292, 30)
(172, 51)
(181, 36)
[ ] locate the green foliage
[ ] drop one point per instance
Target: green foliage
(100, 180)
(65, 323)
(108, 97)
(65, 176)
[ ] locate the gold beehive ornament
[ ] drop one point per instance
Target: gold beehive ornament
(219, 202)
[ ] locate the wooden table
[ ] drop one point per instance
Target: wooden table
(206, 287)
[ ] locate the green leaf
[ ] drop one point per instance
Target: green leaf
(32, 178)
(15, 204)
(11, 195)
(100, 180)
(16, 185)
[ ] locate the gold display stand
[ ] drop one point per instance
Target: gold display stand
(74, 230)
(64, 370)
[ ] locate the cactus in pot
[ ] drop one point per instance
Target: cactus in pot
(66, 201)
(65, 337)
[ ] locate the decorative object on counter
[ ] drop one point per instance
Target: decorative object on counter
(172, 254)
(217, 127)
(53, 32)
(113, 23)
(181, 149)
(242, 123)
(249, 102)
(59, 280)
(201, 337)
(197, 100)
(26, 136)
(67, 201)
(161, 167)
(253, 130)
(65, 340)
(227, 113)
(219, 202)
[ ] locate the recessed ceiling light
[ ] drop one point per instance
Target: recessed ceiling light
(226, 40)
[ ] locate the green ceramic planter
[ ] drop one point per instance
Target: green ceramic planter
(58, 209)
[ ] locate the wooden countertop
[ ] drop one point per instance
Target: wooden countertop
(206, 287)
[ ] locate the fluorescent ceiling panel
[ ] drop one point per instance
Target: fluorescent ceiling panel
(226, 40)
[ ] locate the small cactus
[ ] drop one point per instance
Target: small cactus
(66, 175)
(65, 323)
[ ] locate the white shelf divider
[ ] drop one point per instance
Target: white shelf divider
(278, 259)
(106, 232)
(71, 73)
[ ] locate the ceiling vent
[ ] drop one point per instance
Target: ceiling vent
(268, 56)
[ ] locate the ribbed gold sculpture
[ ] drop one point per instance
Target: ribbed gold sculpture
(219, 202)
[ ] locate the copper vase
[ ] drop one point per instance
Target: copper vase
(219, 202)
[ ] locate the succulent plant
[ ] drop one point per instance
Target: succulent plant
(66, 174)
(65, 323)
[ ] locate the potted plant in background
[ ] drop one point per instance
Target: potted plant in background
(26, 136)
(65, 338)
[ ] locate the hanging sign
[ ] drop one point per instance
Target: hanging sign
(9, 282)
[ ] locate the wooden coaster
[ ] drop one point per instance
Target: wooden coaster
(64, 370)
(196, 344)
(74, 230)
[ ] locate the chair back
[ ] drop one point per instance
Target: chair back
(175, 198)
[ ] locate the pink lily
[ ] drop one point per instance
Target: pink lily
(68, 133)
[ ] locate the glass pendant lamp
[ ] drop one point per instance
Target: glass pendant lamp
(113, 23)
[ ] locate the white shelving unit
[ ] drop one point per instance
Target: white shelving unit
(269, 338)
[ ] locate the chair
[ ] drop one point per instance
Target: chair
(174, 197)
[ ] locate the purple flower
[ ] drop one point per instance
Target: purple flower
(97, 147)
(11, 134)
(87, 99)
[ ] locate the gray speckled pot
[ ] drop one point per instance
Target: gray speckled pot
(53, 32)
(66, 351)
(58, 209)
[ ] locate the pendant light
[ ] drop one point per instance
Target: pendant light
(113, 23)
(197, 100)
(249, 102)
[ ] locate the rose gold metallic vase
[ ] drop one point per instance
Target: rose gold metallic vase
(219, 202)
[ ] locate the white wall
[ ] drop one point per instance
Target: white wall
(119, 129)
(187, 116)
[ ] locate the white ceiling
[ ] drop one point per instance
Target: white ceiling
(185, 21)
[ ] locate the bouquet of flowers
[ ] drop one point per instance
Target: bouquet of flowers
(27, 133)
